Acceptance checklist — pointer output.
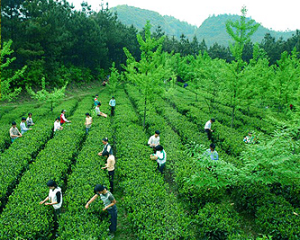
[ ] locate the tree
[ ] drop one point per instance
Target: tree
(113, 80)
(241, 36)
(286, 81)
(50, 97)
(6, 92)
(151, 71)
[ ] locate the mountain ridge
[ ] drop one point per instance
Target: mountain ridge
(212, 30)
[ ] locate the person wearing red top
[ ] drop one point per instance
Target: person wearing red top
(63, 118)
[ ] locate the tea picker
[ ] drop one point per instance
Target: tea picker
(55, 199)
(207, 128)
(109, 205)
(161, 157)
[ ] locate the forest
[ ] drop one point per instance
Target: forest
(170, 85)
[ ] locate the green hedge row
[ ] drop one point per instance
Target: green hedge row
(274, 215)
(76, 222)
(205, 197)
(15, 159)
(7, 119)
(22, 216)
(246, 118)
(153, 211)
(182, 167)
(4, 110)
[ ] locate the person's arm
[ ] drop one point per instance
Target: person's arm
(153, 156)
(110, 205)
(23, 127)
(91, 200)
(108, 164)
(46, 199)
(150, 142)
(64, 118)
(58, 194)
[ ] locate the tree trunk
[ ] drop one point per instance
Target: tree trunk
(232, 116)
(145, 110)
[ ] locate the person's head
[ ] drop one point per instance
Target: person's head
(105, 140)
(87, 115)
(157, 133)
(159, 148)
(63, 111)
(113, 97)
(23, 119)
(99, 189)
(57, 119)
(212, 120)
(51, 184)
(30, 115)
(99, 104)
(14, 124)
(212, 147)
(249, 134)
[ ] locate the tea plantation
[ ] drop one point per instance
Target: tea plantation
(252, 192)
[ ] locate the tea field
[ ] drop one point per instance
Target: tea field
(252, 192)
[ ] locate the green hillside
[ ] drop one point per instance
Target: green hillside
(138, 18)
(212, 29)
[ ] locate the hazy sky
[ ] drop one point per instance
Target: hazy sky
(278, 15)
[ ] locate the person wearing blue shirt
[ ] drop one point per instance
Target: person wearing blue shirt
(112, 104)
(212, 153)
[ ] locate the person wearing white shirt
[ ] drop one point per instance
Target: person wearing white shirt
(14, 132)
(98, 112)
(54, 199)
(23, 126)
(112, 104)
(88, 123)
(57, 125)
(154, 140)
(207, 128)
(161, 157)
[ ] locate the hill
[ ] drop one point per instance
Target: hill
(212, 29)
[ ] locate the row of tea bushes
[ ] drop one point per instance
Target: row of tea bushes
(152, 210)
(181, 167)
(22, 216)
(76, 222)
(15, 160)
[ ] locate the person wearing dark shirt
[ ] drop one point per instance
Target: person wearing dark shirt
(106, 149)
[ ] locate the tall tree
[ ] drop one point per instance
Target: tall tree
(151, 71)
(240, 32)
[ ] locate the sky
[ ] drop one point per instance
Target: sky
(272, 14)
